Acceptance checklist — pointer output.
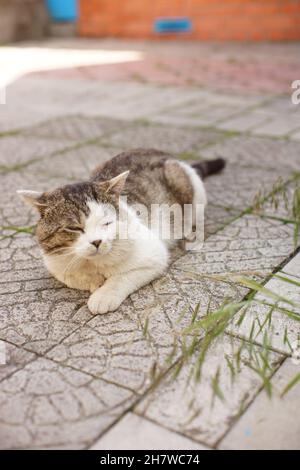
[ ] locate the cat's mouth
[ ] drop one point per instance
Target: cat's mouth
(101, 251)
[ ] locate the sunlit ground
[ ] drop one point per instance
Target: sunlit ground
(16, 62)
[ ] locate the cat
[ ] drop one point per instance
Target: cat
(80, 224)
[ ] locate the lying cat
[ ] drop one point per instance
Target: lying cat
(80, 224)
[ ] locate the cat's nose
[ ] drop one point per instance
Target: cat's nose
(96, 243)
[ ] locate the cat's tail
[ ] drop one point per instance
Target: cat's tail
(209, 167)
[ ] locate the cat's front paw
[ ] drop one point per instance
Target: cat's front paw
(103, 303)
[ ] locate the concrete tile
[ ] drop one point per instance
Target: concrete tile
(201, 114)
(73, 165)
(245, 151)
(279, 105)
(169, 139)
(282, 330)
(248, 244)
(279, 126)
(293, 267)
(242, 123)
(136, 433)
(143, 101)
(235, 188)
(115, 347)
(75, 128)
(191, 408)
(46, 405)
(12, 358)
(269, 423)
(18, 150)
(295, 136)
(13, 210)
(40, 314)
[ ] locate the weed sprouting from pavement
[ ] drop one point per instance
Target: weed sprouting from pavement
(15, 230)
(255, 352)
(277, 198)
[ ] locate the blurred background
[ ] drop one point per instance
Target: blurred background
(214, 20)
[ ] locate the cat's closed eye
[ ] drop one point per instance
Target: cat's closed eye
(73, 229)
(108, 223)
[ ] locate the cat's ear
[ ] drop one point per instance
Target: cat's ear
(32, 198)
(116, 185)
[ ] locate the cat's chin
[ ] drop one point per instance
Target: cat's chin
(97, 254)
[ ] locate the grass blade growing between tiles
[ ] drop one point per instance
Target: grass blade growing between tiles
(290, 385)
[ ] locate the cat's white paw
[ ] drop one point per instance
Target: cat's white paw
(103, 303)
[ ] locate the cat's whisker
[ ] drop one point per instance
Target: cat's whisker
(63, 251)
(60, 253)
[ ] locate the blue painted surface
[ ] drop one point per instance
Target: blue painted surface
(173, 25)
(63, 10)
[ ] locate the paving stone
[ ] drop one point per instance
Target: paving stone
(235, 188)
(73, 165)
(143, 101)
(169, 139)
(38, 320)
(269, 424)
(17, 150)
(13, 211)
(279, 126)
(279, 105)
(190, 407)
(9, 121)
(244, 122)
(280, 205)
(12, 358)
(282, 330)
(135, 433)
(53, 99)
(217, 217)
(117, 348)
(20, 110)
(279, 155)
(21, 260)
(295, 136)
(47, 405)
(197, 114)
(75, 128)
(250, 244)
(293, 267)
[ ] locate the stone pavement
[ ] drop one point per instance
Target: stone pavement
(73, 380)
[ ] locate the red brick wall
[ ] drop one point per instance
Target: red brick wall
(240, 20)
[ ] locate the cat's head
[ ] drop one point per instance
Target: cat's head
(79, 219)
